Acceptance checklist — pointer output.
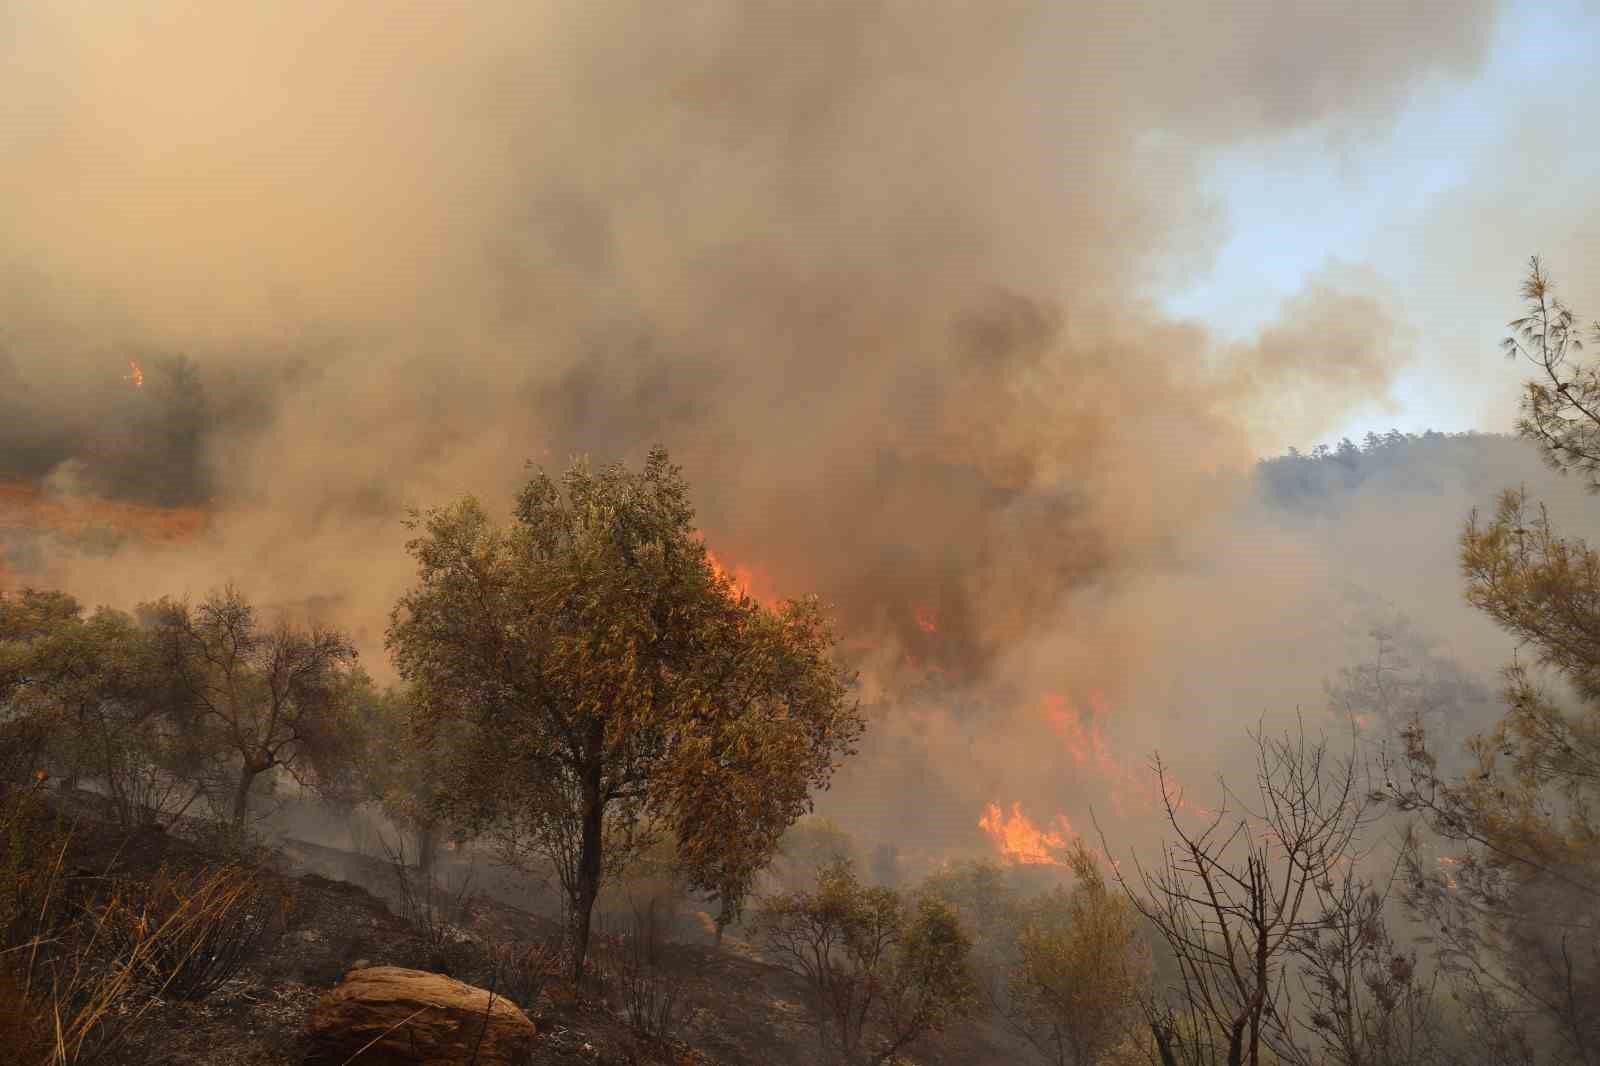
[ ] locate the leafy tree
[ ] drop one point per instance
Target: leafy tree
(1080, 969)
(1364, 1001)
(811, 843)
(404, 778)
(882, 973)
(1561, 407)
(988, 899)
(272, 697)
(614, 686)
(1514, 910)
(91, 691)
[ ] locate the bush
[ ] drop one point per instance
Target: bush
(523, 969)
(434, 912)
(634, 967)
(216, 919)
(78, 976)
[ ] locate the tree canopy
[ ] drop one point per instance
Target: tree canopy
(616, 686)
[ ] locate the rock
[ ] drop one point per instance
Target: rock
(416, 1019)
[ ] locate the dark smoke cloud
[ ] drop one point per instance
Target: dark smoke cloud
(881, 275)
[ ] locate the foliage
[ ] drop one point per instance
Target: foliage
(1081, 969)
(406, 779)
(812, 842)
(882, 972)
(1364, 1000)
(613, 686)
(522, 970)
(989, 902)
(87, 696)
(272, 696)
(1514, 910)
(1406, 683)
(1561, 412)
(1312, 482)
(1521, 816)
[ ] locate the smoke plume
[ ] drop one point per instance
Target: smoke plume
(882, 275)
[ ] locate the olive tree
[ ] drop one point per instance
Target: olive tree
(882, 971)
(1075, 987)
(271, 696)
(615, 687)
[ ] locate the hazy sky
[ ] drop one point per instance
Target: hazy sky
(1444, 206)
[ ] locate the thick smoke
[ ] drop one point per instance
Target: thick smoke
(882, 275)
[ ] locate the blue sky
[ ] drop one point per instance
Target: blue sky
(1303, 203)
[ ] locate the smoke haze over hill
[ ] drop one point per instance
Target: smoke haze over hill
(882, 277)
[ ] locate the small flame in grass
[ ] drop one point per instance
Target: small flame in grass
(926, 620)
(135, 375)
(1019, 840)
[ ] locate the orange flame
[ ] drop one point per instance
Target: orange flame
(1019, 840)
(1131, 786)
(135, 375)
(926, 620)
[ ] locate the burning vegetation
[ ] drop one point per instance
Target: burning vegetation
(963, 685)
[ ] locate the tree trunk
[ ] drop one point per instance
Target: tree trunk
(427, 834)
(241, 795)
(589, 857)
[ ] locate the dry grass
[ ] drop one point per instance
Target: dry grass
(81, 969)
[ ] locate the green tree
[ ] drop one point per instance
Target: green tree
(882, 973)
(91, 691)
(616, 687)
(1080, 968)
(1515, 909)
(406, 779)
(989, 901)
(1561, 406)
(269, 697)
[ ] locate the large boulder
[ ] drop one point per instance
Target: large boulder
(415, 1018)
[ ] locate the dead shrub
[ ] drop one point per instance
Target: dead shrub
(435, 913)
(633, 973)
(78, 976)
(524, 969)
(217, 919)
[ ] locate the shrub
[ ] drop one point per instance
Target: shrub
(216, 920)
(523, 969)
(646, 992)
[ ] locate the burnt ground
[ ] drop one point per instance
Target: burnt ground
(735, 1009)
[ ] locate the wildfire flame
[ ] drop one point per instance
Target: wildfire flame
(135, 375)
(745, 580)
(1019, 840)
(926, 620)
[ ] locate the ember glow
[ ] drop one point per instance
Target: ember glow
(926, 620)
(135, 375)
(1019, 840)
